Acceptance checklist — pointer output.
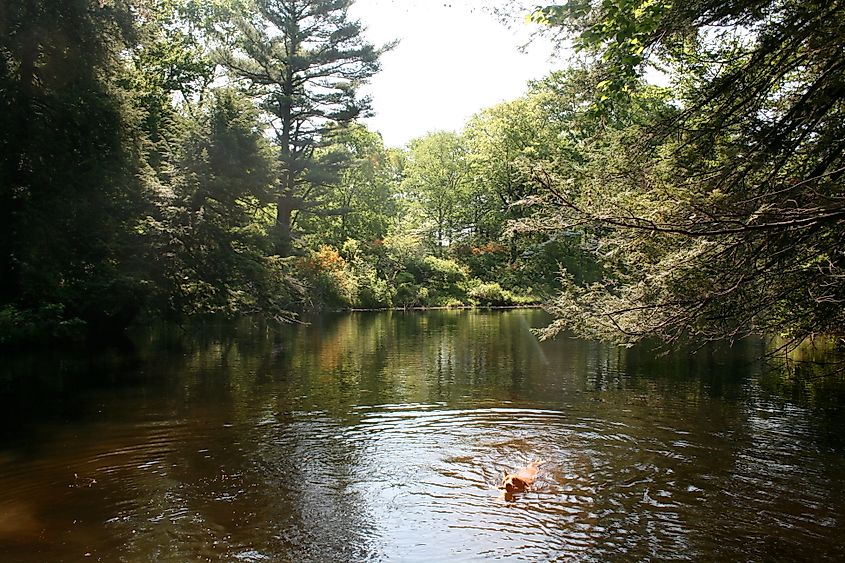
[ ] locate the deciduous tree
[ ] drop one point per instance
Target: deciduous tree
(361, 203)
(436, 178)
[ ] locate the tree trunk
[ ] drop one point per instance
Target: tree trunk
(286, 203)
(283, 237)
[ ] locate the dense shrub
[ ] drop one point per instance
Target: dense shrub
(48, 322)
(408, 292)
(373, 291)
(443, 278)
(492, 295)
(277, 289)
(395, 273)
(445, 271)
(329, 279)
(489, 294)
(485, 259)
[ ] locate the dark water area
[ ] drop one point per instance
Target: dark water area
(383, 436)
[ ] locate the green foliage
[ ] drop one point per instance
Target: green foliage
(374, 292)
(361, 201)
(499, 141)
(453, 303)
(619, 33)
(277, 289)
(131, 181)
(208, 237)
(492, 295)
(719, 219)
(487, 259)
(443, 279)
(168, 58)
(303, 61)
(488, 294)
(69, 156)
(330, 281)
(445, 271)
(41, 325)
(435, 182)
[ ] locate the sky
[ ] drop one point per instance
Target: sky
(453, 60)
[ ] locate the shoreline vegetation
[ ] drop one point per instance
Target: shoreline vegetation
(199, 159)
(189, 205)
(448, 308)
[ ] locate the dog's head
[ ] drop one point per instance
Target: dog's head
(513, 484)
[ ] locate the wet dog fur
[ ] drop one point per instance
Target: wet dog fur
(521, 480)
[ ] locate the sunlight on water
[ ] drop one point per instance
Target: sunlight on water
(384, 437)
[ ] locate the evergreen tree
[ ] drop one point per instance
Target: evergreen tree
(303, 60)
(69, 190)
(724, 218)
(208, 237)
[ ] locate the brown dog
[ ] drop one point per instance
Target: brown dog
(522, 480)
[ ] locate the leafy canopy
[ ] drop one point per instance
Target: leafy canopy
(722, 218)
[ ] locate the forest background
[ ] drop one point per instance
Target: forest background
(173, 159)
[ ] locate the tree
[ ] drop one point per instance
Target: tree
(69, 160)
(361, 204)
(436, 178)
(169, 62)
(303, 61)
(725, 217)
(209, 238)
(501, 140)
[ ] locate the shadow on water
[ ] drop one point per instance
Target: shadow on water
(382, 436)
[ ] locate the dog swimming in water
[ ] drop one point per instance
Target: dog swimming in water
(521, 480)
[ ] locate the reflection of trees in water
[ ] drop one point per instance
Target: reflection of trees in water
(669, 432)
(209, 460)
(675, 433)
(263, 441)
(415, 357)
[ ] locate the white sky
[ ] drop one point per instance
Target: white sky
(453, 60)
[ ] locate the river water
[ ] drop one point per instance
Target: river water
(382, 437)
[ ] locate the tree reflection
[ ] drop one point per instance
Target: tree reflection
(336, 440)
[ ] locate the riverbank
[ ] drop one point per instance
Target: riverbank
(447, 308)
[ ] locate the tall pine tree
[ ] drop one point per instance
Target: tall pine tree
(303, 60)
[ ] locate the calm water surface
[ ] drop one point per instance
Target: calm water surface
(382, 436)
